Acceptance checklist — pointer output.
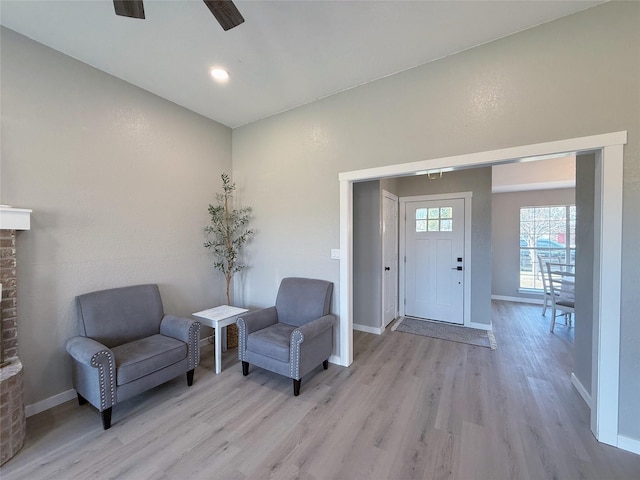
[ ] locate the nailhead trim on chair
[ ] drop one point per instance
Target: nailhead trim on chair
(193, 347)
(242, 340)
(98, 362)
(294, 368)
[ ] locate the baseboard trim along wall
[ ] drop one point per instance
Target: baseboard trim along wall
(50, 402)
(534, 301)
(586, 396)
(368, 329)
(629, 444)
(480, 326)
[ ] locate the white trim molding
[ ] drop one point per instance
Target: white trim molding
(629, 444)
(15, 218)
(368, 329)
(523, 187)
(586, 396)
(608, 261)
(345, 315)
(506, 298)
(607, 286)
(50, 402)
(481, 326)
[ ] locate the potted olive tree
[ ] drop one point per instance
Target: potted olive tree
(226, 235)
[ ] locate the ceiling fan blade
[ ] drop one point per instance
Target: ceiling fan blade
(129, 8)
(225, 12)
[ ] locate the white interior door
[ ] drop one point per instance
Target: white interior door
(389, 258)
(434, 259)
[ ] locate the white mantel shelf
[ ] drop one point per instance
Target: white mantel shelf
(15, 218)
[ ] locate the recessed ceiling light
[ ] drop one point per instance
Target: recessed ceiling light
(219, 74)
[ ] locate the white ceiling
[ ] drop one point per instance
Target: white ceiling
(286, 54)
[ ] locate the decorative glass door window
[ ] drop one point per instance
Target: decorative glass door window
(434, 219)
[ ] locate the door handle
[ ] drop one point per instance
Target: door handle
(459, 268)
(386, 269)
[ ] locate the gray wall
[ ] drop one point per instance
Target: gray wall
(585, 198)
(119, 181)
(390, 185)
(577, 76)
(506, 235)
(367, 255)
(367, 250)
(477, 181)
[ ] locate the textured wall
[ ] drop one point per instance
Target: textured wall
(367, 254)
(119, 181)
(573, 77)
(585, 207)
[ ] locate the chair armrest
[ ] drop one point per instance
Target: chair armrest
(258, 319)
(313, 328)
(94, 372)
(178, 327)
(187, 331)
(85, 350)
(251, 322)
(306, 355)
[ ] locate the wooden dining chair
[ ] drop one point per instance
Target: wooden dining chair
(561, 278)
(546, 301)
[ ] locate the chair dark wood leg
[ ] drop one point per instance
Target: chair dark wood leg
(325, 364)
(296, 387)
(245, 368)
(81, 400)
(190, 377)
(106, 418)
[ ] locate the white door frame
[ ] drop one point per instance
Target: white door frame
(394, 198)
(607, 282)
(466, 196)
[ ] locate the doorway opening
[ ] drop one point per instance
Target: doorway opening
(608, 150)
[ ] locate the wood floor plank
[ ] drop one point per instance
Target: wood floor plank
(409, 407)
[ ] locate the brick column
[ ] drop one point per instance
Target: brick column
(13, 424)
(8, 310)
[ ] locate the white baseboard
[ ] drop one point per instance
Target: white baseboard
(629, 444)
(368, 329)
(586, 396)
(534, 301)
(480, 326)
(50, 402)
(335, 360)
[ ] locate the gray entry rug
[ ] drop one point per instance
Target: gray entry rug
(446, 331)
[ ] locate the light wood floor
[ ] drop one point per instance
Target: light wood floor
(409, 407)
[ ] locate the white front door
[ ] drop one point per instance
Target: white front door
(389, 257)
(434, 248)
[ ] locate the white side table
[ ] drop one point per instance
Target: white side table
(219, 318)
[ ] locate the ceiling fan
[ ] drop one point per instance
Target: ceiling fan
(225, 11)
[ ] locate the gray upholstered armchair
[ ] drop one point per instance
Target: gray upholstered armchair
(293, 337)
(127, 345)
